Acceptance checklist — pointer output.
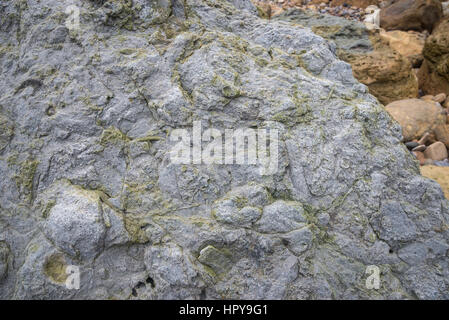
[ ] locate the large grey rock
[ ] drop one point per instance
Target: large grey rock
(4, 257)
(348, 35)
(87, 178)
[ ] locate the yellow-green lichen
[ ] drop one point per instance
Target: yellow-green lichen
(113, 135)
(55, 268)
(25, 177)
(50, 204)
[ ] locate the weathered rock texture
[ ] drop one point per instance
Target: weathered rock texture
(387, 73)
(434, 73)
(87, 181)
(408, 44)
(415, 15)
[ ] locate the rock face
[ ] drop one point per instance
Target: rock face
(408, 44)
(347, 35)
(415, 15)
(416, 117)
(4, 255)
(88, 181)
(434, 73)
(386, 72)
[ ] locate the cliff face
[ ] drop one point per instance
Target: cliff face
(87, 114)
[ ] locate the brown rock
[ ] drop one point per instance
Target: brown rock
(416, 117)
(446, 103)
(436, 151)
(420, 157)
(428, 98)
(411, 15)
(440, 98)
(388, 75)
(424, 138)
(409, 44)
(442, 133)
(434, 72)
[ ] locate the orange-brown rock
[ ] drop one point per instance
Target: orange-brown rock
(388, 75)
(409, 44)
(428, 97)
(406, 15)
(434, 73)
(417, 117)
(442, 134)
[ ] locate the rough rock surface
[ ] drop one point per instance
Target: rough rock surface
(347, 35)
(87, 181)
(409, 44)
(387, 73)
(434, 73)
(407, 15)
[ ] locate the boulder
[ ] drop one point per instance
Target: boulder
(434, 73)
(442, 133)
(428, 97)
(388, 74)
(409, 44)
(91, 175)
(440, 98)
(4, 259)
(416, 117)
(407, 15)
(436, 151)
